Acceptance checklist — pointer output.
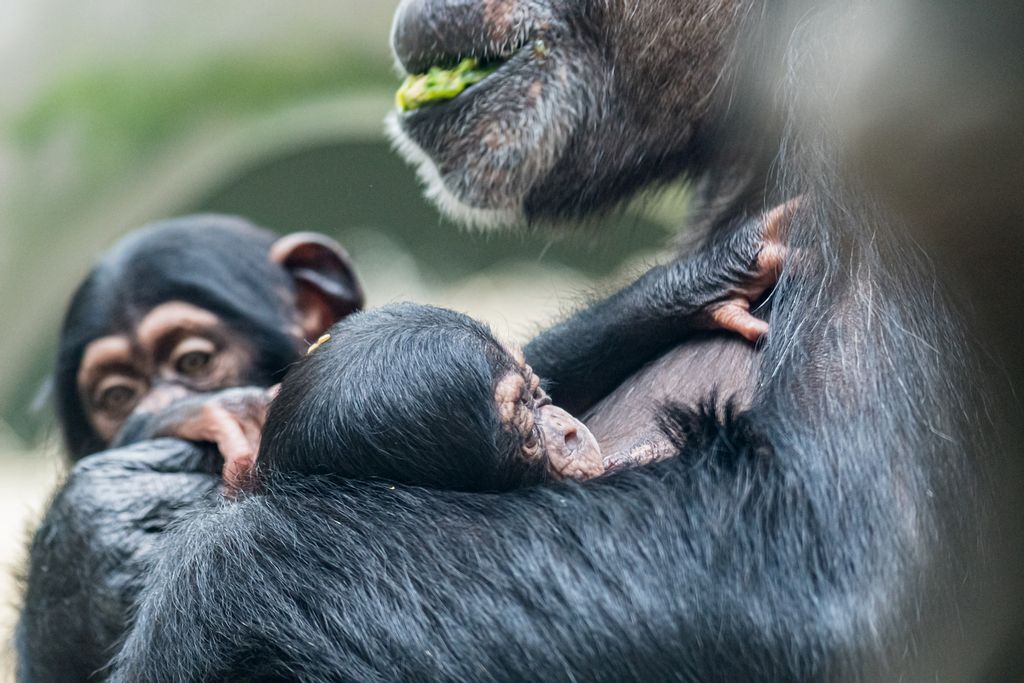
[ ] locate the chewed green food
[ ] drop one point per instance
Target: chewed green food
(439, 85)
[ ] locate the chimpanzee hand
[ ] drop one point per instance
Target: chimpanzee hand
(231, 419)
(595, 350)
(716, 287)
(767, 238)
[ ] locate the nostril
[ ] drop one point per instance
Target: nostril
(572, 439)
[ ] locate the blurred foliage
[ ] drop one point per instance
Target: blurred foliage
(125, 110)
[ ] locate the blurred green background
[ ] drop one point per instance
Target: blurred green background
(116, 113)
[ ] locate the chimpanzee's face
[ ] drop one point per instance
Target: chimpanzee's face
(175, 350)
(547, 433)
(591, 99)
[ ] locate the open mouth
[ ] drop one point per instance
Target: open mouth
(439, 84)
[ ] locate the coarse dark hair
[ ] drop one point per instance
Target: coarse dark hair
(404, 393)
(803, 539)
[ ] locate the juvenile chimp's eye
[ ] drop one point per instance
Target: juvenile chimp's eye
(117, 399)
(193, 362)
(193, 356)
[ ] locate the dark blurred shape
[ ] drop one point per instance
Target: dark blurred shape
(935, 124)
(932, 116)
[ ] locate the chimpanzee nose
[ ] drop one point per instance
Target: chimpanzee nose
(429, 33)
(436, 32)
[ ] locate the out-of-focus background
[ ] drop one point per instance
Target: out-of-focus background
(116, 113)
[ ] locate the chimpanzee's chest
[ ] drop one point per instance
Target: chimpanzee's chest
(718, 363)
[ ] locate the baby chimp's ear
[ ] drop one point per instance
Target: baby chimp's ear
(326, 285)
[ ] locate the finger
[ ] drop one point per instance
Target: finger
(239, 455)
(237, 474)
(778, 219)
(769, 263)
(231, 440)
(252, 431)
(735, 316)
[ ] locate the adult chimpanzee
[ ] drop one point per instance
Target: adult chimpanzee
(790, 541)
(173, 312)
(787, 542)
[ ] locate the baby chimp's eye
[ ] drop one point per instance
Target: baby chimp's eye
(533, 445)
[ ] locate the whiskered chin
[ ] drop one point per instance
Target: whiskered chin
(446, 191)
(482, 154)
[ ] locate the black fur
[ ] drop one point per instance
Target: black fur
(403, 393)
(91, 554)
(791, 542)
(539, 583)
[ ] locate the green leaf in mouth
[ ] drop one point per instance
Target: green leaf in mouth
(440, 85)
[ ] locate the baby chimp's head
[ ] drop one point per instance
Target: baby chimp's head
(423, 396)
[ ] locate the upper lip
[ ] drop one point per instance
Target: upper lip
(430, 33)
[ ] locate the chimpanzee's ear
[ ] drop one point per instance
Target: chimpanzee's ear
(326, 284)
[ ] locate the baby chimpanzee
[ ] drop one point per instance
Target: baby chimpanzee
(423, 396)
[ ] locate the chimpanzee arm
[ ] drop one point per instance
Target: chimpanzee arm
(587, 356)
(89, 557)
(231, 419)
(697, 568)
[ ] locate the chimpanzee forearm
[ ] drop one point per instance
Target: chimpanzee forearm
(641, 576)
(240, 401)
(585, 357)
(92, 551)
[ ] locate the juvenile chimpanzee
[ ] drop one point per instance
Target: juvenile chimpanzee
(177, 331)
(189, 306)
(423, 396)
